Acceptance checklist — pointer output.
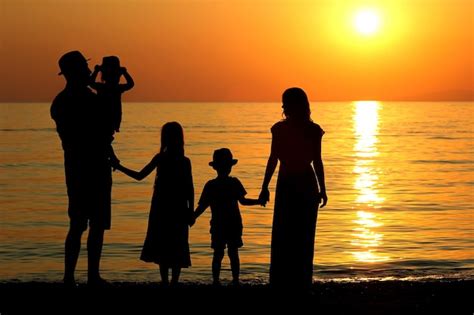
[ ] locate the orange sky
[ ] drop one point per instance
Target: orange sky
(244, 50)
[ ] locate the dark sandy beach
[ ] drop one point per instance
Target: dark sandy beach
(387, 297)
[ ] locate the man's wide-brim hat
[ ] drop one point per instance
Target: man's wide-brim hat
(222, 157)
(71, 62)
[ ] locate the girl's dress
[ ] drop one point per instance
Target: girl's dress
(166, 241)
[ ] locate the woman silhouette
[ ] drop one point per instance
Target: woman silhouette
(296, 143)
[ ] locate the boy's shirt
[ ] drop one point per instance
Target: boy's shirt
(222, 195)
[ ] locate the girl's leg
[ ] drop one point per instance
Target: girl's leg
(233, 253)
(175, 272)
(216, 264)
(164, 274)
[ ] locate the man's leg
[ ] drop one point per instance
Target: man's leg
(72, 247)
(94, 251)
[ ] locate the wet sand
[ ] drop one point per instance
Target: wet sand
(377, 297)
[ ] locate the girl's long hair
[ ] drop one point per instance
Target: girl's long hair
(296, 105)
(172, 139)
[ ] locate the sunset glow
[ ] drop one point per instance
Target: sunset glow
(246, 50)
(367, 21)
(367, 239)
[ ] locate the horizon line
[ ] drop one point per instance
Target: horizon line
(263, 101)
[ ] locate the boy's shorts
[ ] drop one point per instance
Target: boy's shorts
(220, 241)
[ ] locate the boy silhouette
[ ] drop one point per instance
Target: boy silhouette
(110, 90)
(223, 195)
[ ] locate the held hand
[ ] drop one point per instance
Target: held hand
(324, 199)
(114, 162)
(123, 70)
(264, 197)
(192, 220)
(97, 68)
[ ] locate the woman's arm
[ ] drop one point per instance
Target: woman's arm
(319, 171)
(270, 169)
(139, 175)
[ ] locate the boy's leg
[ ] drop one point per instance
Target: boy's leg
(175, 272)
(216, 264)
(233, 253)
(72, 247)
(164, 274)
(95, 241)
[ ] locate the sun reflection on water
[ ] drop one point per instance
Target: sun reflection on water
(366, 237)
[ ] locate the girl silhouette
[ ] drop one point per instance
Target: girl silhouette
(172, 204)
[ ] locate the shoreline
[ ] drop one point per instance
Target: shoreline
(371, 297)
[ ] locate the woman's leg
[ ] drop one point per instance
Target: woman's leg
(175, 272)
(164, 274)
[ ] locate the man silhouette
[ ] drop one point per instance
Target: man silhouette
(86, 140)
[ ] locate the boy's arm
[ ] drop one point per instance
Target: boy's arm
(138, 175)
(250, 202)
(128, 79)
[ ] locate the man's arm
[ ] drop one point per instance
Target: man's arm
(94, 74)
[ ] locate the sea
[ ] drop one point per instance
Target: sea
(399, 177)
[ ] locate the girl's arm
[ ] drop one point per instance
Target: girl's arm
(204, 202)
(128, 79)
(190, 193)
(199, 210)
(143, 173)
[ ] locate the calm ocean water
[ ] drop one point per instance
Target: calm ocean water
(400, 180)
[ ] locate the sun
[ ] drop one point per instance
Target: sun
(367, 21)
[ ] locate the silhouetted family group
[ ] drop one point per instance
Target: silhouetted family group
(86, 123)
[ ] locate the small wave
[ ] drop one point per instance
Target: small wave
(443, 138)
(28, 130)
(442, 162)
(34, 165)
